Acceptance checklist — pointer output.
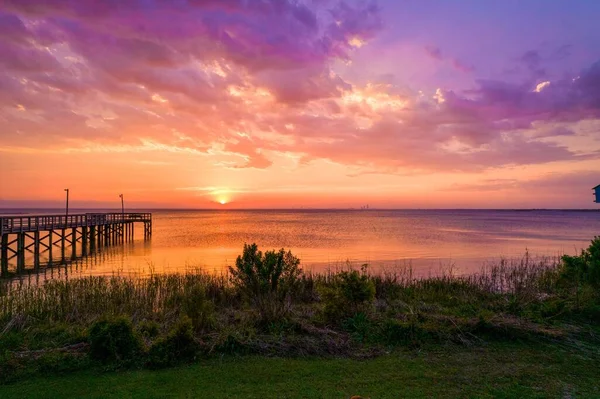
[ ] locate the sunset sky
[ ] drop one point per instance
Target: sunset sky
(292, 103)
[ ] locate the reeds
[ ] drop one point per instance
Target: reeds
(163, 297)
(85, 299)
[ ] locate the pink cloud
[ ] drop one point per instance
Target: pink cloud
(196, 74)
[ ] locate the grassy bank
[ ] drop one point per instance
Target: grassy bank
(266, 306)
(508, 370)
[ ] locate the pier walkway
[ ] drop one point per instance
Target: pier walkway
(41, 235)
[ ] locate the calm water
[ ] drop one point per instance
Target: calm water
(428, 240)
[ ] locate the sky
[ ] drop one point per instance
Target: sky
(300, 103)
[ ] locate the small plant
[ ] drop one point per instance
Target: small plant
(178, 346)
(359, 326)
(148, 328)
(198, 308)
(113, 340)
(350, 292)
(268, 280)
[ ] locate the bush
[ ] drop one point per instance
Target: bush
(178, 346)
(268, 279)
(359, 326)
(114, 340)
(348, 293)
(584, 268)
(148, 328)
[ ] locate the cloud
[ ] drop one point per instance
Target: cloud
(242, 82)
(436, 54)
(532, 61)
(568, 186)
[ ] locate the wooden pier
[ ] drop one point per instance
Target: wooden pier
(43, 235)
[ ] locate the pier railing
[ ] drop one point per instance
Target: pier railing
(24, 224)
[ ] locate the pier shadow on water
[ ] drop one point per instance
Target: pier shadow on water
(76, 264)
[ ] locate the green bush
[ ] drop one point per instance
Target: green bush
(230, 343)
(397, 332)
(178, 346)
(148, 328)
(268, 280)
(348, 293)
(114, 340)
(584, 268)
(359, 326)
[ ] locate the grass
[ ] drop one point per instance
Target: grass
(267, 307)
(505, 370)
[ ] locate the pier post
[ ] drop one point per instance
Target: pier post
(92, 238)
(73, 243)
(147, 230)
(36, 249)
(63, 236)
(4, 254)
(50, 245)
(84, 240)
(20, 252)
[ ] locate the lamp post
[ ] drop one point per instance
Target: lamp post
(67, 208)
(122, 205)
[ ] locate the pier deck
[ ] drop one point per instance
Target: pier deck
(41, 234)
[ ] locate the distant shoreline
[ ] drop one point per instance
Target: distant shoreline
(19, 211)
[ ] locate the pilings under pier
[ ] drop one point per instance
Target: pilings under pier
(26, 237)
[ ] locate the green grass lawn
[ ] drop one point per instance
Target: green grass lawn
(498, 371)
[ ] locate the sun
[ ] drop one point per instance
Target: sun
(222, 202)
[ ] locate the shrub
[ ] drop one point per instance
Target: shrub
(113, 340)
(584, 268)
(230, 343)
(198, 308)
(348, 293)
(359, 326)
(267, 279)
(148, 328)
(178, 346)
(411, 333)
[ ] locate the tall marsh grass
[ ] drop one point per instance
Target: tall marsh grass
(267, 305)
(167, 296)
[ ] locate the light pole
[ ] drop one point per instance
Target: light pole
(122, 205)
(67, 209)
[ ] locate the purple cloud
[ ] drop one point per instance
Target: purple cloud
(125, 73)
(436, 53)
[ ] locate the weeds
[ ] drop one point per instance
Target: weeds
(266, 305)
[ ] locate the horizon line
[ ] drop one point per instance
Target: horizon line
(296, 209)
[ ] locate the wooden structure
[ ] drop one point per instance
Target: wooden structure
(37, 235)
(597, 193)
